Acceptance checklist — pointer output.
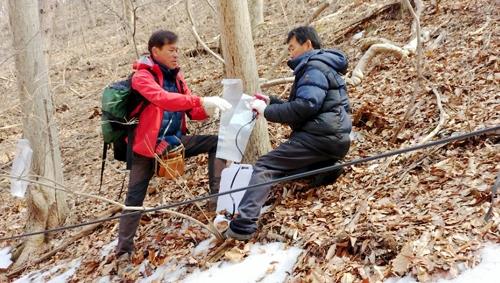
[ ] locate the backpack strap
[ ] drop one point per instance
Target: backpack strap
(103, 162)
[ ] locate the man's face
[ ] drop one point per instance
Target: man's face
(168, 55)
(295, 49)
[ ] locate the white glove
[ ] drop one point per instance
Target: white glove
(259, 106)
(213, 112)
(212, 102)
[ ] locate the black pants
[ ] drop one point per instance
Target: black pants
(143, 170)
(289, 158)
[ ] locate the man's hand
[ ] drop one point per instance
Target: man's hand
(262, 97)
(214, 102)
(258, 106)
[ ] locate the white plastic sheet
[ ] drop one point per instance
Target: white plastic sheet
(235, 126)
(234, 177)
(20, 168)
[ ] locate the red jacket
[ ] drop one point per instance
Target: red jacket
(160, 100)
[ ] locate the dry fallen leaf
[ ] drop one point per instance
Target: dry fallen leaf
(403, 260)
(235, 254)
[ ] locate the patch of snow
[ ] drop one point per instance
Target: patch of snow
(104, 279)
(5, 256)
(204, 246)
(266, 263)
(58, 274)
(105, 250)
(168, 272)
(73, 266)
(488, 270)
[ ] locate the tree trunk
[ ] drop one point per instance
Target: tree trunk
(46, 208)
(240, 62)
(47, 9)
(256, 9)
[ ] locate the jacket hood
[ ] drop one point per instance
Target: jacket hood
(332, 57)
(146, 62)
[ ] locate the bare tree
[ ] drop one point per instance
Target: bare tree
(46, 208)
(240, 62)
(256, 9)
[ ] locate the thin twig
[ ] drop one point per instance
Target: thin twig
(442, 117)
(411, 104)
(59, 187)
(82, 233)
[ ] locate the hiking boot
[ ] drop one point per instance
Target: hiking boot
(124, 266)
(326, 178)
(237, 236)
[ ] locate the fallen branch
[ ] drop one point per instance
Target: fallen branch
(82, 233)
(270, 83)
(197, 36)
(375, 49)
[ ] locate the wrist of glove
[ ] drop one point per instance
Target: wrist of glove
(263, 97)
(213, 102)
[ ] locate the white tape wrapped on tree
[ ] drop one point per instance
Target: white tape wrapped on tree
(21, 167)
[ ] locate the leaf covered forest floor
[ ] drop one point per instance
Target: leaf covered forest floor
(420, 214)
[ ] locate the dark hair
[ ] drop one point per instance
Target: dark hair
(160, 38)
(304, 33)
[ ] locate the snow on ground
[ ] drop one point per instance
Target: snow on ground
(488, 270)
(58, 274)
(265, 263)
(5, 258)
(204, 246)
(105, 250)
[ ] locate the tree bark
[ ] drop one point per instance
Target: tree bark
(47, 9)
(46, 208)
(256, 9)
(239, 56)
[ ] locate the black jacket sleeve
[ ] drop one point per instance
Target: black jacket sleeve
(310, 92)
(273, 99)
(294, 112)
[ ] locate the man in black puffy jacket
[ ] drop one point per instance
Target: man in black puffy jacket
(317, 111)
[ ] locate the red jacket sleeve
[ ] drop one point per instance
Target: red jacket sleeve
(144, 82)
(196, 113)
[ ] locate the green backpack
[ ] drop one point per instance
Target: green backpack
(118, 101)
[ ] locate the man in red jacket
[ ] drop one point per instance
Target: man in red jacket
(163, 122)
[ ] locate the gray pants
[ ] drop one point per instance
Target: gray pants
(141, 173)
(290, 157)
